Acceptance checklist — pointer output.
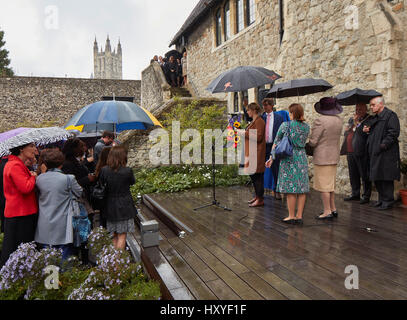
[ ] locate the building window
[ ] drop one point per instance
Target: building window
(236, 102)
(218, 28)
(239, 15)
(227, 21)
(250, 11)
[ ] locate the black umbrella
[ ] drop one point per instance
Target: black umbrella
(355, 96)
(242, 78)
(299, 87)
(174, 53)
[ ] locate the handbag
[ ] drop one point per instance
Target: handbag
(99, 191)
(81, 225)
(309, 150)
(285, 148)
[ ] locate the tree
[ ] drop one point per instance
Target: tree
(5, 71)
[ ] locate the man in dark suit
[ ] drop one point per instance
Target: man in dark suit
(273, 122)
(355, 148)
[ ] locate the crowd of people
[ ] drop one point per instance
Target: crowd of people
(371, 146)
(41, 189)
(174, 68)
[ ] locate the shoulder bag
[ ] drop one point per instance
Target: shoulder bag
(285, 148)
(81, 225)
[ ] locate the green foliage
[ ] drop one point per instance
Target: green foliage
(179, 178)
(195, 115)
(116, 276)
(5, 71)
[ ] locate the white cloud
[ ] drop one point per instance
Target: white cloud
(145, 28)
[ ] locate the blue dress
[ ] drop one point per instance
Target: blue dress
(269, 182)
(293, 175)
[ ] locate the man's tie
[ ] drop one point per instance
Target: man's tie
(268, 127)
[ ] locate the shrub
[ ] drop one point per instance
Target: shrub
(180, 178)
(115, 277)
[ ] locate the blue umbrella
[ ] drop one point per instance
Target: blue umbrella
(121, 115)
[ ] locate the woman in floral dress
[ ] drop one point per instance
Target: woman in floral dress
(293, 177)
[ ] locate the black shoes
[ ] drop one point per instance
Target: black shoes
(328, 217)
(364, 201)
(385, 207)
(352, 198)
(291, 221)
(376, 204)
(335, 214)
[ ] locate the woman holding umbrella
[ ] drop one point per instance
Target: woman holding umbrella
(255, 166)
(21, 211)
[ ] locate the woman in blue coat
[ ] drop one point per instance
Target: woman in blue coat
(54, 226)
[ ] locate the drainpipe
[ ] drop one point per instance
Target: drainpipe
(281, 7)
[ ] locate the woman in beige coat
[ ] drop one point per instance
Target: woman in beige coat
(325, 139)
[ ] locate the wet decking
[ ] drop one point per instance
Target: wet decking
(250, 254)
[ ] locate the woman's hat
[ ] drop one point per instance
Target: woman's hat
(328, 106)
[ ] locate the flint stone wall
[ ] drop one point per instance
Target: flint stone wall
(37, 99)
(317, 43)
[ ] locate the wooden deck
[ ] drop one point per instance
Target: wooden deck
(250, 254)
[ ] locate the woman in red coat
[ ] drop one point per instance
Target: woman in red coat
(21, 211)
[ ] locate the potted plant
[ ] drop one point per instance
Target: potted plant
(403, 192)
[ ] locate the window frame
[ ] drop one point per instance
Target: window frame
(240, 16)
(250, 12)
(227, 25)
(218, 27)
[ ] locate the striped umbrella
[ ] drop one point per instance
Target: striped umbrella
(121, 115)
(22, 136)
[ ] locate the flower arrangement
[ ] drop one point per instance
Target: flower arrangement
(234, 124)
(115, 277)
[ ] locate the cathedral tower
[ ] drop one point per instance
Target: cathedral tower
(107, 64)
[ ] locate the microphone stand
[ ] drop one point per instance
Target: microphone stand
(215, 202)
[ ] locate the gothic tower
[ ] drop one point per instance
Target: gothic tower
(107, 64)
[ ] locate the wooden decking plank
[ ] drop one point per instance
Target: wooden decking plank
(280, 285)
(222, 290)
(203, 271)
(242, 289)
(262, 287)
(189, 277)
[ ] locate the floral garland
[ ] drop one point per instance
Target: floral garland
(234, 124)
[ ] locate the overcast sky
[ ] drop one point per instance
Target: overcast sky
(55, 37)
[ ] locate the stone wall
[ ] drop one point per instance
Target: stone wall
(317, 44)
(155, 90)
(32, 99)
(138, 142)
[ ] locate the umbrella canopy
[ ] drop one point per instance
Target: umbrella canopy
(175, 53)
(22, 136)
(116, 115)
(355, 96)
(299, 87)
(242, 78)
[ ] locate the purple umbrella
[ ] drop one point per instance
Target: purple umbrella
(22, 136)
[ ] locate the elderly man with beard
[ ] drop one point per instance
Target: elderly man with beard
(384, 151)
